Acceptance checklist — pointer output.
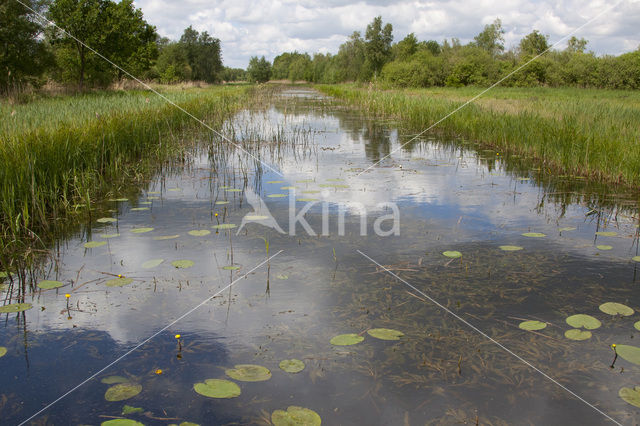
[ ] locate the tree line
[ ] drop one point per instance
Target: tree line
(483, 61)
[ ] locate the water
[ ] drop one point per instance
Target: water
(449, 195)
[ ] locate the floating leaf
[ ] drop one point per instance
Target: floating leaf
(112, 380)
(292, 365)
(121, 422)
(282, 277)
(119, 282)
(217, 388)
(606, 233)
(636, 258)
(121, 200)
(174, 189)
(255, 217)
(275, 181)
(107, 220)
(567, 228)
(629, 353)
(582, 320)
(307, 200)
(510, 248)
(15, 307)
(3, 351)
(219, 203)
(385, 333)
(233, 190)
(249, 373)
(276, 195)
(224, 226)
(49, 284)
(166, 237)
(603, 247)
(199, 232)
(295, 416)
(576, 334)
(312, 191)
(139, 209)
(636, 325)
(152, 263)
(141, 230)
(154, 198)
(286, 188)
(305, 181)
(122, 391)
(127, 409)
(346, 339)
(452, 254)
(183, 264)
(94, 244)
(534, 234)
(107, 236)
(631, 396)
(532, 325)
(231, 268)
(613, 308)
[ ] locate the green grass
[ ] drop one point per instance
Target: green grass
(593, 133)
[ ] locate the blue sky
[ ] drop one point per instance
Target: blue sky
(269, 27)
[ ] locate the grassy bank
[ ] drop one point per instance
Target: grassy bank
(58, 152)
(574, 131)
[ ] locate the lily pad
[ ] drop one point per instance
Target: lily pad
(94, 244)
(385, 333)
(346, 339)
(532, 325)
(121, 422)
(174, 189)
(15, 307)
(510, 248)
(295, 416)
(286, 188)
(606, 233)
(306, 200)
(183, 264)
(292, 365)
(112, 380)
(224, 226)
(631, 396)
(119, 282)
(219, 203)
(141, 230)
(534, 234)
(139, 209)
(127, 409)
(166, 237)
(255, 217)
(636, 258)
(582, 320)
(107, 236)
(233, 190)
(629, 353)
(49, 284)
(122, 391)
(199, 232)
(107, 220)
(567, 228)
(636, 325)
(152, 263)
(604, 247)
(576, 334)
(276, 195)
(275, 181)
(452, 254)
(231, 268)
(613, 308)
(217, 388)
(3, 351)
(282, 277)
(249, 373)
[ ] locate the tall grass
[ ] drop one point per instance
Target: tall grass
(576, 131)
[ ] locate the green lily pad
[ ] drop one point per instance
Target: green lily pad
(582, 320)
(183, 264)
(510, 248)
(112, 380)
(217, 388)
(282, 277)
(286, 188)
(305, 181)
(636, 325)
(141, 230)
(306, 200)
(49, 284)
(224, 226)
(532, 325)
(127, 409)
(613, 308)
(107, 236)
(121, 199)
(295, 416)
(534, 234)
(249, 373)
(255, 217)
(233, 190)
(166, 237)
(199, 232)
(3, 351)
(219, 203)
(275, 181)
(567, 228)
(292, 365)
(94, 244)
(174, 189)
(107, 220)
(606, 233)
(15, 307)
(452, 254)
(121, 422)
(631, 396)
(152, 263)
(636, 258)
(122, 391)
(139, 209)
(231, 268)
(346, 339)
(276, 195)
(312, 191)
(385, 333)
(629, 353)
(119, 282)
(576, 334)
(604, 247)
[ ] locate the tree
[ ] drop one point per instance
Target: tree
(534, 43)
(172, 65)
(259, 70)
(204, 55)
(351, 59)
(406, 47)
(576, 45)
(491, 39)
(378, 44)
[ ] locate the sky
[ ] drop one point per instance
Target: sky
(269, 27)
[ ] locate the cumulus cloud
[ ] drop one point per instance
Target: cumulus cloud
(270, 27)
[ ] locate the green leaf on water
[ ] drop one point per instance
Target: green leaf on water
(510, 248)
(15, 307)
(107, 220)
(606, 233)
(49, 284)
(166, 237)
(306, 200)
(534, 234)
(636, 258)
(122, 391)
(141, 230)
(567, 228)
(286, 188)
(217, 388)
(631, 396)
(276, 195)
(613, 308)
(121, 422)
(3, 351)
(312, 191)
(532, 325)
(119, 282)
(249, 373)
(582, 320)
(629, 353)
(636, 325)
(305, 181)
(231, 268)
(199, 232)
(183, 264)
(152, 263)
(174, 189)
(452, 254)
(255, 217)
(576, 334)
(127, 409)
(295, 416)
(139, 209)
(282, 277)
(94, 244)
(112, 380)
(233, 190)
(346, 339)
(275, 181)
(107, 236)
(224, 226)
(385, 333)
(292, 365)
(604, 247)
